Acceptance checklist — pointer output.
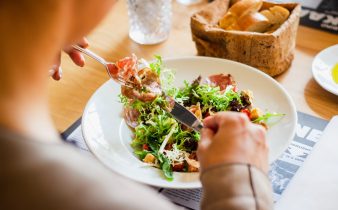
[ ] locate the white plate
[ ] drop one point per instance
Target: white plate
(108, 137)
(322, 66)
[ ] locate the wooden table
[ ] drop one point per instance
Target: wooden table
(69, 96)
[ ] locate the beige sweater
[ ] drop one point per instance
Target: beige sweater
(35, 175)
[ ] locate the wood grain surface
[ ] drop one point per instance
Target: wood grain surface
(69, 96)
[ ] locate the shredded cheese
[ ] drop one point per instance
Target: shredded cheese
(165, 141)
(175, 155)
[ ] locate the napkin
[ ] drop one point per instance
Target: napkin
(315, 186)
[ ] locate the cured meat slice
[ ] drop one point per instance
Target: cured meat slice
(221, 80)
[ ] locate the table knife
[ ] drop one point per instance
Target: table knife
(183, 115)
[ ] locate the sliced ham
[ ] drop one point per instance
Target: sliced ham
(125, 69)
(150, 80)
(146, 85)
(221, 80)
(130, 116)
(150, 83)
(136, 94)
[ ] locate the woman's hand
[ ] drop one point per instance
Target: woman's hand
(76, 56)
(229, 137)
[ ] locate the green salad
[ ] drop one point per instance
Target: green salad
(161, 141)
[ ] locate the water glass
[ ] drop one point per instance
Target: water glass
(149, 20)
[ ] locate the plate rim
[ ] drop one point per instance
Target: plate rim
(196, 184)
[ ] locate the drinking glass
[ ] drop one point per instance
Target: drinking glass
(149, 20)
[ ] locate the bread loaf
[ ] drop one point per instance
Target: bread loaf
(229, 22)
(241, 8)
(276, 15)
(255, 22)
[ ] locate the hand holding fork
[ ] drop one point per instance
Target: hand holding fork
(108, 65)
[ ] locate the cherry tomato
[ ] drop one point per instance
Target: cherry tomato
(247, 112)
(145, 147)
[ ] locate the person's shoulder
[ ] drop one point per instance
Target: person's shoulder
(46, 175)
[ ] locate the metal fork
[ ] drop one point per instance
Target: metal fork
(101, 60)
(178, 111)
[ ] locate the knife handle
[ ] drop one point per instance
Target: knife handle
(197, 126)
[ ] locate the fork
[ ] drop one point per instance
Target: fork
(178, 111)
(101, 60)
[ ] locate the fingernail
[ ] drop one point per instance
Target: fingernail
(53, 70)
(60, 72)
(82, 60)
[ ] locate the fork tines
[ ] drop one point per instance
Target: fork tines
(125, 83)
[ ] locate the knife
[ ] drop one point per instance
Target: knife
(184, 116)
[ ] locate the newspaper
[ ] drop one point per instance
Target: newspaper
(308, 132)
(324, 16)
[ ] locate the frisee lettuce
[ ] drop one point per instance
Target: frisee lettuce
(157, 65)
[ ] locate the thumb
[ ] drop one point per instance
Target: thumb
(206, 137)
(211, 123)
(75, 55)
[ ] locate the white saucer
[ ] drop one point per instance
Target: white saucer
(322, 66)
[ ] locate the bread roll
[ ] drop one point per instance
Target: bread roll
(239, 9)
(229, 22)
(244, 7)
(268, 14)
(277, 15)
(254, 22)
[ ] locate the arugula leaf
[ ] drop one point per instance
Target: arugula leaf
(153, 144)
(166, 167)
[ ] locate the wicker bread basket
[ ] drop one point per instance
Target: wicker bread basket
(272, 53)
